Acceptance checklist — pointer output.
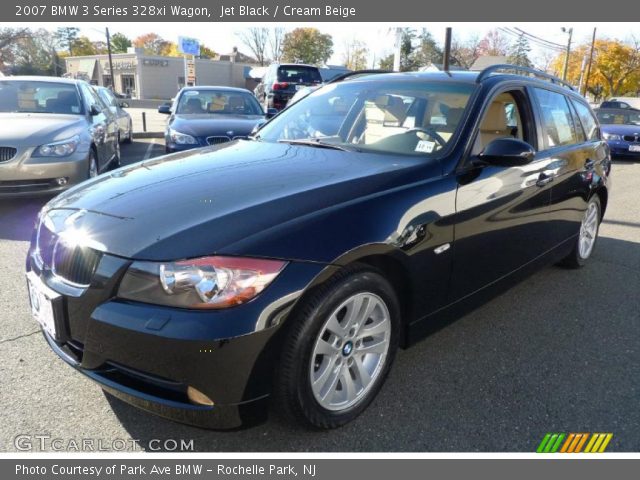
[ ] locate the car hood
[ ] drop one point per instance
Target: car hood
(204, 201)
(33, 129)
(621, 129)
(215, 124)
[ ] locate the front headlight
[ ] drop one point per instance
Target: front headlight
(207, 282)
(181, 138)
(612, 136)
(62, 148)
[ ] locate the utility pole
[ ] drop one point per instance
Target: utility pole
(586, 78)
(113, 79)
(398, 50)
(566, 58)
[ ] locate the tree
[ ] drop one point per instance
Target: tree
(34, 54)
(615, 69)
(406, 53)
(66, 37)
(493, 44)
(519, 53)
(355, 54)
(426, 51)
(275, 43)
(307, 45)
(82, 46)
(465, 53)
(206, 52)
(152, 43)
(8, 38)
(120, 43)
(256, 39)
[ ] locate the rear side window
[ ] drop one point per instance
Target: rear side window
(557, 123)
(587, 120)
(299, 74)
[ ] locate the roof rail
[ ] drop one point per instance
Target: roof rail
(357, 73)
(524, 70)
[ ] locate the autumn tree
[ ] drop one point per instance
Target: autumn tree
(82, 46)
(8, 39)
(206, 52)
(120, 43)
(355, 54)
(493, 44)
(256, 40)
(152, 44)
(615, 68)
(465, 53)
(307, 45)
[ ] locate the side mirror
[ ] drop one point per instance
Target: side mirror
(165, 108)
(124, 105)
(507, 152)
(95, 110)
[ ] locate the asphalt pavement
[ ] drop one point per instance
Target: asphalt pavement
(559, 352)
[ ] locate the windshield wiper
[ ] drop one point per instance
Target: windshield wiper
(316, 142)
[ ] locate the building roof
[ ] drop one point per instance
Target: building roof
(487, 61)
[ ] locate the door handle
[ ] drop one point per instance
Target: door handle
(544, 179)
(589, 164)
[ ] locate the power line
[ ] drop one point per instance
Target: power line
(534, 40)
(559, 45)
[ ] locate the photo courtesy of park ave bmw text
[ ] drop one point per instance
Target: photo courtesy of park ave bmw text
(273, 238)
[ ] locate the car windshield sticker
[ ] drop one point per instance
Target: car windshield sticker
(425, 146)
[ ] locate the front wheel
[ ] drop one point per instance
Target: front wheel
(587, 236)
(340, 349)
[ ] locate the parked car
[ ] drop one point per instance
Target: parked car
(117, 107)
(282, 80)
(59, 134)
(292, 265)
(201, 116)
(621, 129)
(622, 102)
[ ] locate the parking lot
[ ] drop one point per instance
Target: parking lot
(557, 353)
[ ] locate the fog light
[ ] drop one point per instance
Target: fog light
(62, 181)
(196, 396)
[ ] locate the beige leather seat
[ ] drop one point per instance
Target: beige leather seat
(493, 126)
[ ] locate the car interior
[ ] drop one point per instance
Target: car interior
(502, 119)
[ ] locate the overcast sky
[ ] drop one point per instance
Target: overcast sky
(222, 37)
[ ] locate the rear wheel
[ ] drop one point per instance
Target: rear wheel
(339, 350)
(129, 137)
(587, 236)
(93, 165)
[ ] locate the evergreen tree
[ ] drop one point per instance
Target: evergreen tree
(519, 53)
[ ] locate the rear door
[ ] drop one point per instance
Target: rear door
(572, 156)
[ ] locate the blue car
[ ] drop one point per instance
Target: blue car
(621, 129)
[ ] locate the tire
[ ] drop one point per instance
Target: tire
(115, 163)
(336, 373)
(92, 165)
(589, 228)
(129, 138)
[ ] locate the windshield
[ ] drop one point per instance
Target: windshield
(24, 96)
(218, 101)
(619, 118)
(417, 118)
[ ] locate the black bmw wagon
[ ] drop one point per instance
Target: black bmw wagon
(286, 269)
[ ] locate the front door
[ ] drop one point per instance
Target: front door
(501, 212)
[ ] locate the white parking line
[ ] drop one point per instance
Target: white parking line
(147, 153)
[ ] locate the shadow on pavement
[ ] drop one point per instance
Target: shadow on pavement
(557, 352)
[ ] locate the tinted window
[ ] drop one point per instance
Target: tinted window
(39, 97)
(557, 123)
(418, 117)
(299, 74)
(619, 117)
(107, 97)
(587, 120)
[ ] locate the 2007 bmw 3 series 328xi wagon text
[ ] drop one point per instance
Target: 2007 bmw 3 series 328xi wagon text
(286, 269)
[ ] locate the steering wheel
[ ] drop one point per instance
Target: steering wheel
(429, 131)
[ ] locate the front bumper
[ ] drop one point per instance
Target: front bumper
(25, 175)
(149, 355)
(621, 149)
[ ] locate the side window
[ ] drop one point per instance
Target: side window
(90, 97)
(557, 123)
(587, 120)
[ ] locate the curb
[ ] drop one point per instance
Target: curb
(148, 135)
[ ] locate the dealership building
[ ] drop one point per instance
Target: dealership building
(142, 76)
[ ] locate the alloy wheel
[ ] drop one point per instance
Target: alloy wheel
(350, 351)
(588, 231)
